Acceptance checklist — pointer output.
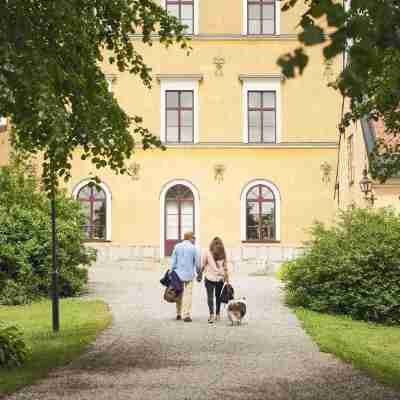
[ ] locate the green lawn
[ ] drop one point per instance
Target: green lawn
(81, 322)
(373, 348)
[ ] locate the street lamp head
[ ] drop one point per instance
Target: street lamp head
(365, 183)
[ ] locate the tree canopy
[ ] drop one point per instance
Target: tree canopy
(368, 31)
(52, 85)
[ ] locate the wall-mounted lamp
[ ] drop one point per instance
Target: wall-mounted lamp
(366, 188)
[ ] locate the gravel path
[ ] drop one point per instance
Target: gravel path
(147, 355)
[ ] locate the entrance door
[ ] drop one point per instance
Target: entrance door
(179, 216)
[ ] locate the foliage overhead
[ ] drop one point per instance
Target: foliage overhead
(52, 85)
(25, 239)
(369, 31)
(351, 268)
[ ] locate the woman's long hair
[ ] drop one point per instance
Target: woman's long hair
(217, 249)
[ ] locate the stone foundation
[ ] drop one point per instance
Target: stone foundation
(252, 254)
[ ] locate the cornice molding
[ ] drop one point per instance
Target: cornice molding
(246, 77)
(179, 77)
(288, 37)
(241, 145)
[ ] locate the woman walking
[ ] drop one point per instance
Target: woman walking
(215, 267)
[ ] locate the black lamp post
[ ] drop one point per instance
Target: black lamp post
(366, 188)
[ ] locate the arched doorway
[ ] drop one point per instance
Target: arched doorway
(179, 215)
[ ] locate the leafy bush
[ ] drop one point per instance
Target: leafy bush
(25, 239)
(13, 349)
(351, 268)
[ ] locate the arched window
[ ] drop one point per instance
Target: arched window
(94, 205)
(180, 213)
(260, 207)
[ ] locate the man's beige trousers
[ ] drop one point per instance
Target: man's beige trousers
(184, 304)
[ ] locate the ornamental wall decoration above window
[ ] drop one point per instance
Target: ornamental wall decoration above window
(134, 171)
(219, 63)
(326, 170)
(219, 171)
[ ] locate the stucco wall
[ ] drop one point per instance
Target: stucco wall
(310, 110)
(296, 173)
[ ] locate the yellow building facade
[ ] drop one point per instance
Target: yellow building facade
(250, 157)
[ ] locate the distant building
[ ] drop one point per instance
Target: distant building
(356, 147)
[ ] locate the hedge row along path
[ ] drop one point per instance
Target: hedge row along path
(148, 355)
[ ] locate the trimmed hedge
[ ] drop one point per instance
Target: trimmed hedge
(352, 267)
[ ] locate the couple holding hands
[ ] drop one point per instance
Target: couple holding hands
(186, 263)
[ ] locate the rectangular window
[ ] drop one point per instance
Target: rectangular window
(350, 160)
(179, 114)
(261, 116)
(261, 17)
(184, 11)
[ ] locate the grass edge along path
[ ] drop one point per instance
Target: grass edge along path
(371, 348)
(81, 322)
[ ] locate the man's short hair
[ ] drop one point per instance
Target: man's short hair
(188, 236)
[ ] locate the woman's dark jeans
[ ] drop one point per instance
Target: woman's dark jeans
(214, 289)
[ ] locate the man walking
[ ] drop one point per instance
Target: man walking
(186, 263)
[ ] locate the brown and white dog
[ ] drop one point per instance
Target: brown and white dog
(237, 309)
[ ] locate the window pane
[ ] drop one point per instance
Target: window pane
(172, 134)
(187, 207)
(99, 193)
(187, 223)
(172, 118)
(187, 11)
(173, 9)
(267, 208)
(255, 119)
(269, 133)
(99, 219)
(189, 24)
(172, 99)
(268, 26)
(254, 11)
(187, 99)
(254, 99)
(269, 118)
(187, 118)
(84, 193)
(267, 193)
(268, 11)
(254, 193)
(267, 232)
(252, 233)
(186, 134)
(172, 227)
(254, 134)
(254, 27)
(85, 209)
(172, 207)
(269, 99)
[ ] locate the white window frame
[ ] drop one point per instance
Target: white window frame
(163, 194)
(179, 84)
(107, 191)
(272, 84)
(277, 19)
(243, 214)
(196, 11)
